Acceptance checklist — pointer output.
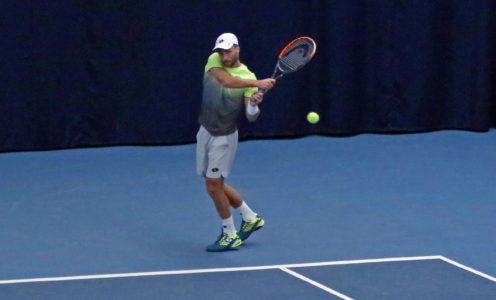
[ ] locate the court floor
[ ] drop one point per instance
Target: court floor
(429, 277)
(365, 217)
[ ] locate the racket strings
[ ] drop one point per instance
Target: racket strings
(296, 55)
(293, 62)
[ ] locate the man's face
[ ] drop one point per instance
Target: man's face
(230, 57)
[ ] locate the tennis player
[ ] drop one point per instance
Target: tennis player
(229, 87)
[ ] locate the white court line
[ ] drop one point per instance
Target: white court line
(198, 271)
(459, 265)
(317, 284)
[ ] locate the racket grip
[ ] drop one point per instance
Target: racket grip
(261, 91)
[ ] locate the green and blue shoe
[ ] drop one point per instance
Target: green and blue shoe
(247, 228)
(225, 243)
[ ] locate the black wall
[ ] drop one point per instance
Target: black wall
(98, 73)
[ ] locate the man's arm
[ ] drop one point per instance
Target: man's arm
(252, 110)
(224, 78)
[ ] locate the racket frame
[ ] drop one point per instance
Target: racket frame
(278, 68)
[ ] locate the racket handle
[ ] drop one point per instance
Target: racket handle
(279, 76)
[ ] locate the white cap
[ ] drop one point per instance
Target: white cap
(225, 41)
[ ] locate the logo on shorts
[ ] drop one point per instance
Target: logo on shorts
(215, 170)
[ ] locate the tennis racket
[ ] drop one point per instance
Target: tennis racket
(293, 57)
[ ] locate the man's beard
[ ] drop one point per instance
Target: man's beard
(229, 63)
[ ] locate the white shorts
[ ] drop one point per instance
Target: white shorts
(215, 154)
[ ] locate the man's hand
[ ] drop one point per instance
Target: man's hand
(266, 84)
(252, 110)
(256, 98)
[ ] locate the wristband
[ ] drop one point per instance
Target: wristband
(252, 110)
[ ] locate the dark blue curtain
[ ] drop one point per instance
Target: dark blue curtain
(100, 73)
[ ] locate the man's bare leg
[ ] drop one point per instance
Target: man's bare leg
(215, 188)
(233, 196)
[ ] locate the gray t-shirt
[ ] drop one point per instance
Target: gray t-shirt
(220, 106)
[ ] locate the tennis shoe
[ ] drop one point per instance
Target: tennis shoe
(225, 243)
(247, 228)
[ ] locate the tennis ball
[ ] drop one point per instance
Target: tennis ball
(313, 117)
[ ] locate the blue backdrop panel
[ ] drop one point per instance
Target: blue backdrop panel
(79, 73)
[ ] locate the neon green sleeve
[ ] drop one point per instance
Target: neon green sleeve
(213, 62)
(250, 91)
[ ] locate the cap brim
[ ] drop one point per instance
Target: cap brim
(223, 46)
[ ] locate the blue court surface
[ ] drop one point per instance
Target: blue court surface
(370, 216)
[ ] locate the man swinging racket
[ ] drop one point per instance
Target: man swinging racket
(228, 88)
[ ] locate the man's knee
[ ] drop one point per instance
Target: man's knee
(214, 185)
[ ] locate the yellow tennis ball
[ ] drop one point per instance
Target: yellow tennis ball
(313, 117)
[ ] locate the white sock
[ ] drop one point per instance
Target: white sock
(245, 211)
(228, 226)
